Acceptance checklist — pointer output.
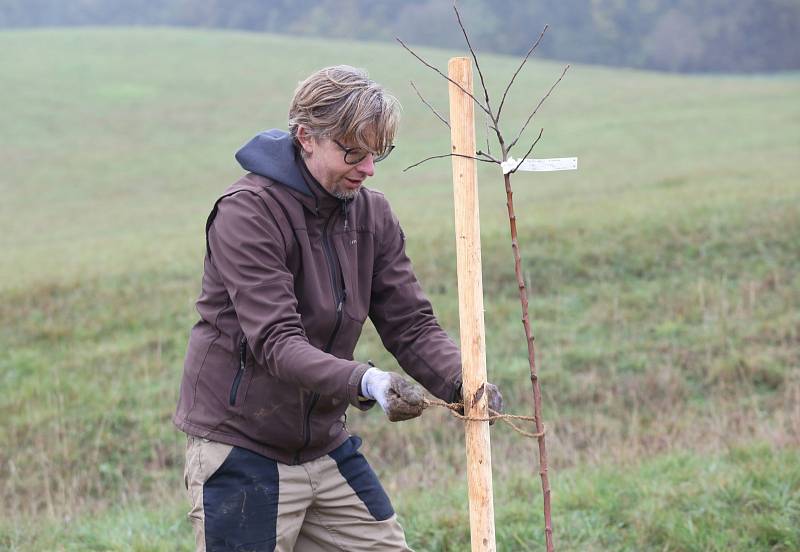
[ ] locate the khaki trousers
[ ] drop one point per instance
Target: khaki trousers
(243, 501)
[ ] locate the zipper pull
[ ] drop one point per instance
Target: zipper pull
(243, 355)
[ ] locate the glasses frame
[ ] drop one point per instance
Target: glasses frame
(375, 158)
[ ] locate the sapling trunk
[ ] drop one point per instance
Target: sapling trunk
(537, 393)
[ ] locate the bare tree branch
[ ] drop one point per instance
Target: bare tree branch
(488, 156)
(530, 149)
(488, 146)
(450, 155)
(477, 65)
(442, 119)
(511, 145)
(535, 44)
(448, 79)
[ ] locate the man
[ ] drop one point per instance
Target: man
(298, 254)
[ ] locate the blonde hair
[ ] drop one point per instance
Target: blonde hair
(342, 103)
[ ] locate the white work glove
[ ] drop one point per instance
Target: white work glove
(399, 398)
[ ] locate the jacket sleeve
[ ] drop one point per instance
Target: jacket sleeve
(404, 317)
(248, 251)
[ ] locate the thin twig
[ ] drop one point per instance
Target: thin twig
(426, 64)
(450, 155)
(530, 149)
(488, 146)
(535, 44)
(488, 156)
(536, 109)
(477, 65)
(442, 119)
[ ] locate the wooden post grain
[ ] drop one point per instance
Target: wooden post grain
(470, 299)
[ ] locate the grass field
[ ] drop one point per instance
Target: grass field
(664, 279)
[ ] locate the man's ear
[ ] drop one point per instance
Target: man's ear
(305, 139)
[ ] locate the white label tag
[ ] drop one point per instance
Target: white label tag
(556, 164)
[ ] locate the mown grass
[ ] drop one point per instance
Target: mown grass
(662, 276)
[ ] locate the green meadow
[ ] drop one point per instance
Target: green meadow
(664, 278)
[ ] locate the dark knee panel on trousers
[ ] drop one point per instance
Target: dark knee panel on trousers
(241, 504)
(359, 475)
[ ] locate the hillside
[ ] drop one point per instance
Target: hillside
(663, 276)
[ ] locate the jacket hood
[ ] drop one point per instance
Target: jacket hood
(272, 154)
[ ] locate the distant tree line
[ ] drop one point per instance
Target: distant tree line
(671, 35)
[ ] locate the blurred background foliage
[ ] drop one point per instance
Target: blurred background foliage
(669, 35)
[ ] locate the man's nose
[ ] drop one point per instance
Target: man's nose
(367, 165)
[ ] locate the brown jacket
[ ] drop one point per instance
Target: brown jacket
(291, 274)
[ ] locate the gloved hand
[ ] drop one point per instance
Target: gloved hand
(493, 397)
(399, 398)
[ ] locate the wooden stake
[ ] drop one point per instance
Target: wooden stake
(470, 300)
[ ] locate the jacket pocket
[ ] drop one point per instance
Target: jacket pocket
(237, 380)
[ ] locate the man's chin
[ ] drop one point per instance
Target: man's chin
(347, 194)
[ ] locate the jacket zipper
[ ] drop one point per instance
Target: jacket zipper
(339, 298)
(239, 373)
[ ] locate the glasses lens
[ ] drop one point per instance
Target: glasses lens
(384, 155)
(354, 156)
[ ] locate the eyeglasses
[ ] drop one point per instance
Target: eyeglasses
(354, 156)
